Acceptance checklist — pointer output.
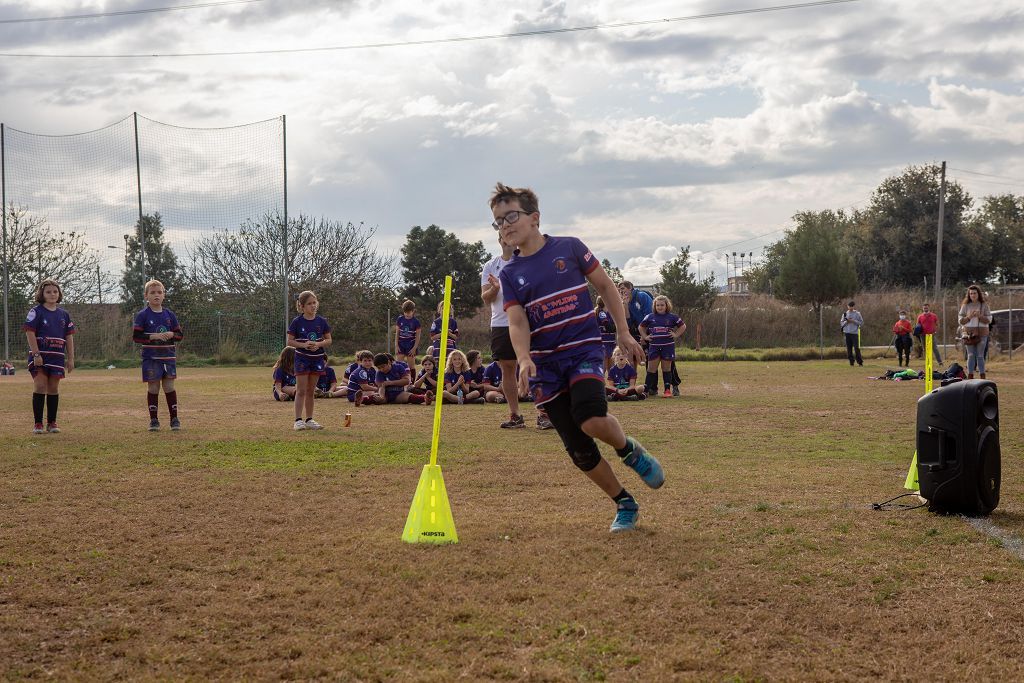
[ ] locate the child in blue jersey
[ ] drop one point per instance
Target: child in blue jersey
(327, 384)
(558, 344)
(622, 380)
(50, 334)
(487, 380)
(284, 375)
(362, 387)
(393, 378)
(607, 327)
(309, 334)
(156, 330)
(407, 335)
(661, 329)
(457, 380)
(435, 334)
(426, 380)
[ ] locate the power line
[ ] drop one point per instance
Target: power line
(438, 41)
(987, 175)
(123, 13)
(987, 182)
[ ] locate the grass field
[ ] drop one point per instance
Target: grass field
(238, 548)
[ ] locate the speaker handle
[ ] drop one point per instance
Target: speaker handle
(942, 448)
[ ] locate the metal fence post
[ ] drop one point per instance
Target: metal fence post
(138, 187)
(3, 211)
(284, 225)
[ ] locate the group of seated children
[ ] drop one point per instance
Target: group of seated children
(378, 379)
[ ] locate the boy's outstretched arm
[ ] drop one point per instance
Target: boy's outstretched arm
(613, 304)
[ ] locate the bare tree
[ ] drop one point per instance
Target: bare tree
(34, 252)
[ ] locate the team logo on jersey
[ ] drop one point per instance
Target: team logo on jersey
(31, 315)
(521, 281)
(560, 266)
(588, 256)
(312, 336)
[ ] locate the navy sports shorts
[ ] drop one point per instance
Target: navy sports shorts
(306, 365)
(662, 351)
(555, 377)
(156, 370)
(405, 348)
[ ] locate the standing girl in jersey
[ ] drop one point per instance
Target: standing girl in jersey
(661, 328)
(51, 352)
(435, 334)
(309, 334)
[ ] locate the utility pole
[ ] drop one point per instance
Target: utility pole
(938, 251)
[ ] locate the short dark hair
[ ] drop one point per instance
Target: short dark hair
(408, 306)
(472, 355)
(382, 359)
(852, 304)
(526, 197)
(627, 284)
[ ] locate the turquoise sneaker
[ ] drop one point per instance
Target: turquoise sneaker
(625, 516)
(644, 464)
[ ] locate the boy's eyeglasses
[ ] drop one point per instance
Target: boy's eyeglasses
(509, 218)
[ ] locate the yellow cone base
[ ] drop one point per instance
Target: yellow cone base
(430, 517)
(912, 483)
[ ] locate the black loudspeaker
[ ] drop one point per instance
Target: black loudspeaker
(958, 458)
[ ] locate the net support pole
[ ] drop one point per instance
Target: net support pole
(284, 225)
(138, 195)
(3, 211)
(938, 250)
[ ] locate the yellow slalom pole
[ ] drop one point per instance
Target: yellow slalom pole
(430, 515)
(911, 482)
(443, 359)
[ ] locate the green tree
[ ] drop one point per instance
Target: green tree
(160, 264)
(689, 296)
(816, 269)
(614, 273)
(428, 255)
(893, 240)
(763, 277)
(1002, 217)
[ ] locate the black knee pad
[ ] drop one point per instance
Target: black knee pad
(587, 457)
(588, 400)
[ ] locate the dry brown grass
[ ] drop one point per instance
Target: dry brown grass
(238, 549)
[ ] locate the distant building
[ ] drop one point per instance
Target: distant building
(737, 285)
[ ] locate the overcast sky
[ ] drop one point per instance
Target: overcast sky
(708, 133)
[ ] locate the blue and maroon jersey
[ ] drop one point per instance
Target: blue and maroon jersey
(551, 286)
(148, 321)
(433, 377)
(407, 328)
(620, 376)
(450, 378)
(360, 376)
(283, 378)
(398, 369)
(492, 374)
(607, 327)
(661, 327)
(453, 334)
(350, 368)
(327, 379)
(52, 329)
(305, 330)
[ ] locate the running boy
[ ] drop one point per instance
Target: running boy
(558, 344)
(157, 330)
(51, 344)
(407, 335)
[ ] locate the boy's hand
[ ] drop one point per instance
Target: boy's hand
(630, 347)
(493, 281)
(527, 369)
(70, 365)
(37, 360)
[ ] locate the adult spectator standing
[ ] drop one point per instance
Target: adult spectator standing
(975, 316)
(639, 304)
(929, 323)
(851, 323)
(501, 342)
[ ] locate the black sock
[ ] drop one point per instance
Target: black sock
(623, 495)
(652, 381)
(152, 400)
(667, 376)
(172, 403)
(37, 406)
(625, 450)
(51, 407)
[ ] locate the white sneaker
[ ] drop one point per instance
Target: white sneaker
(313, 424)
(299, 425)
